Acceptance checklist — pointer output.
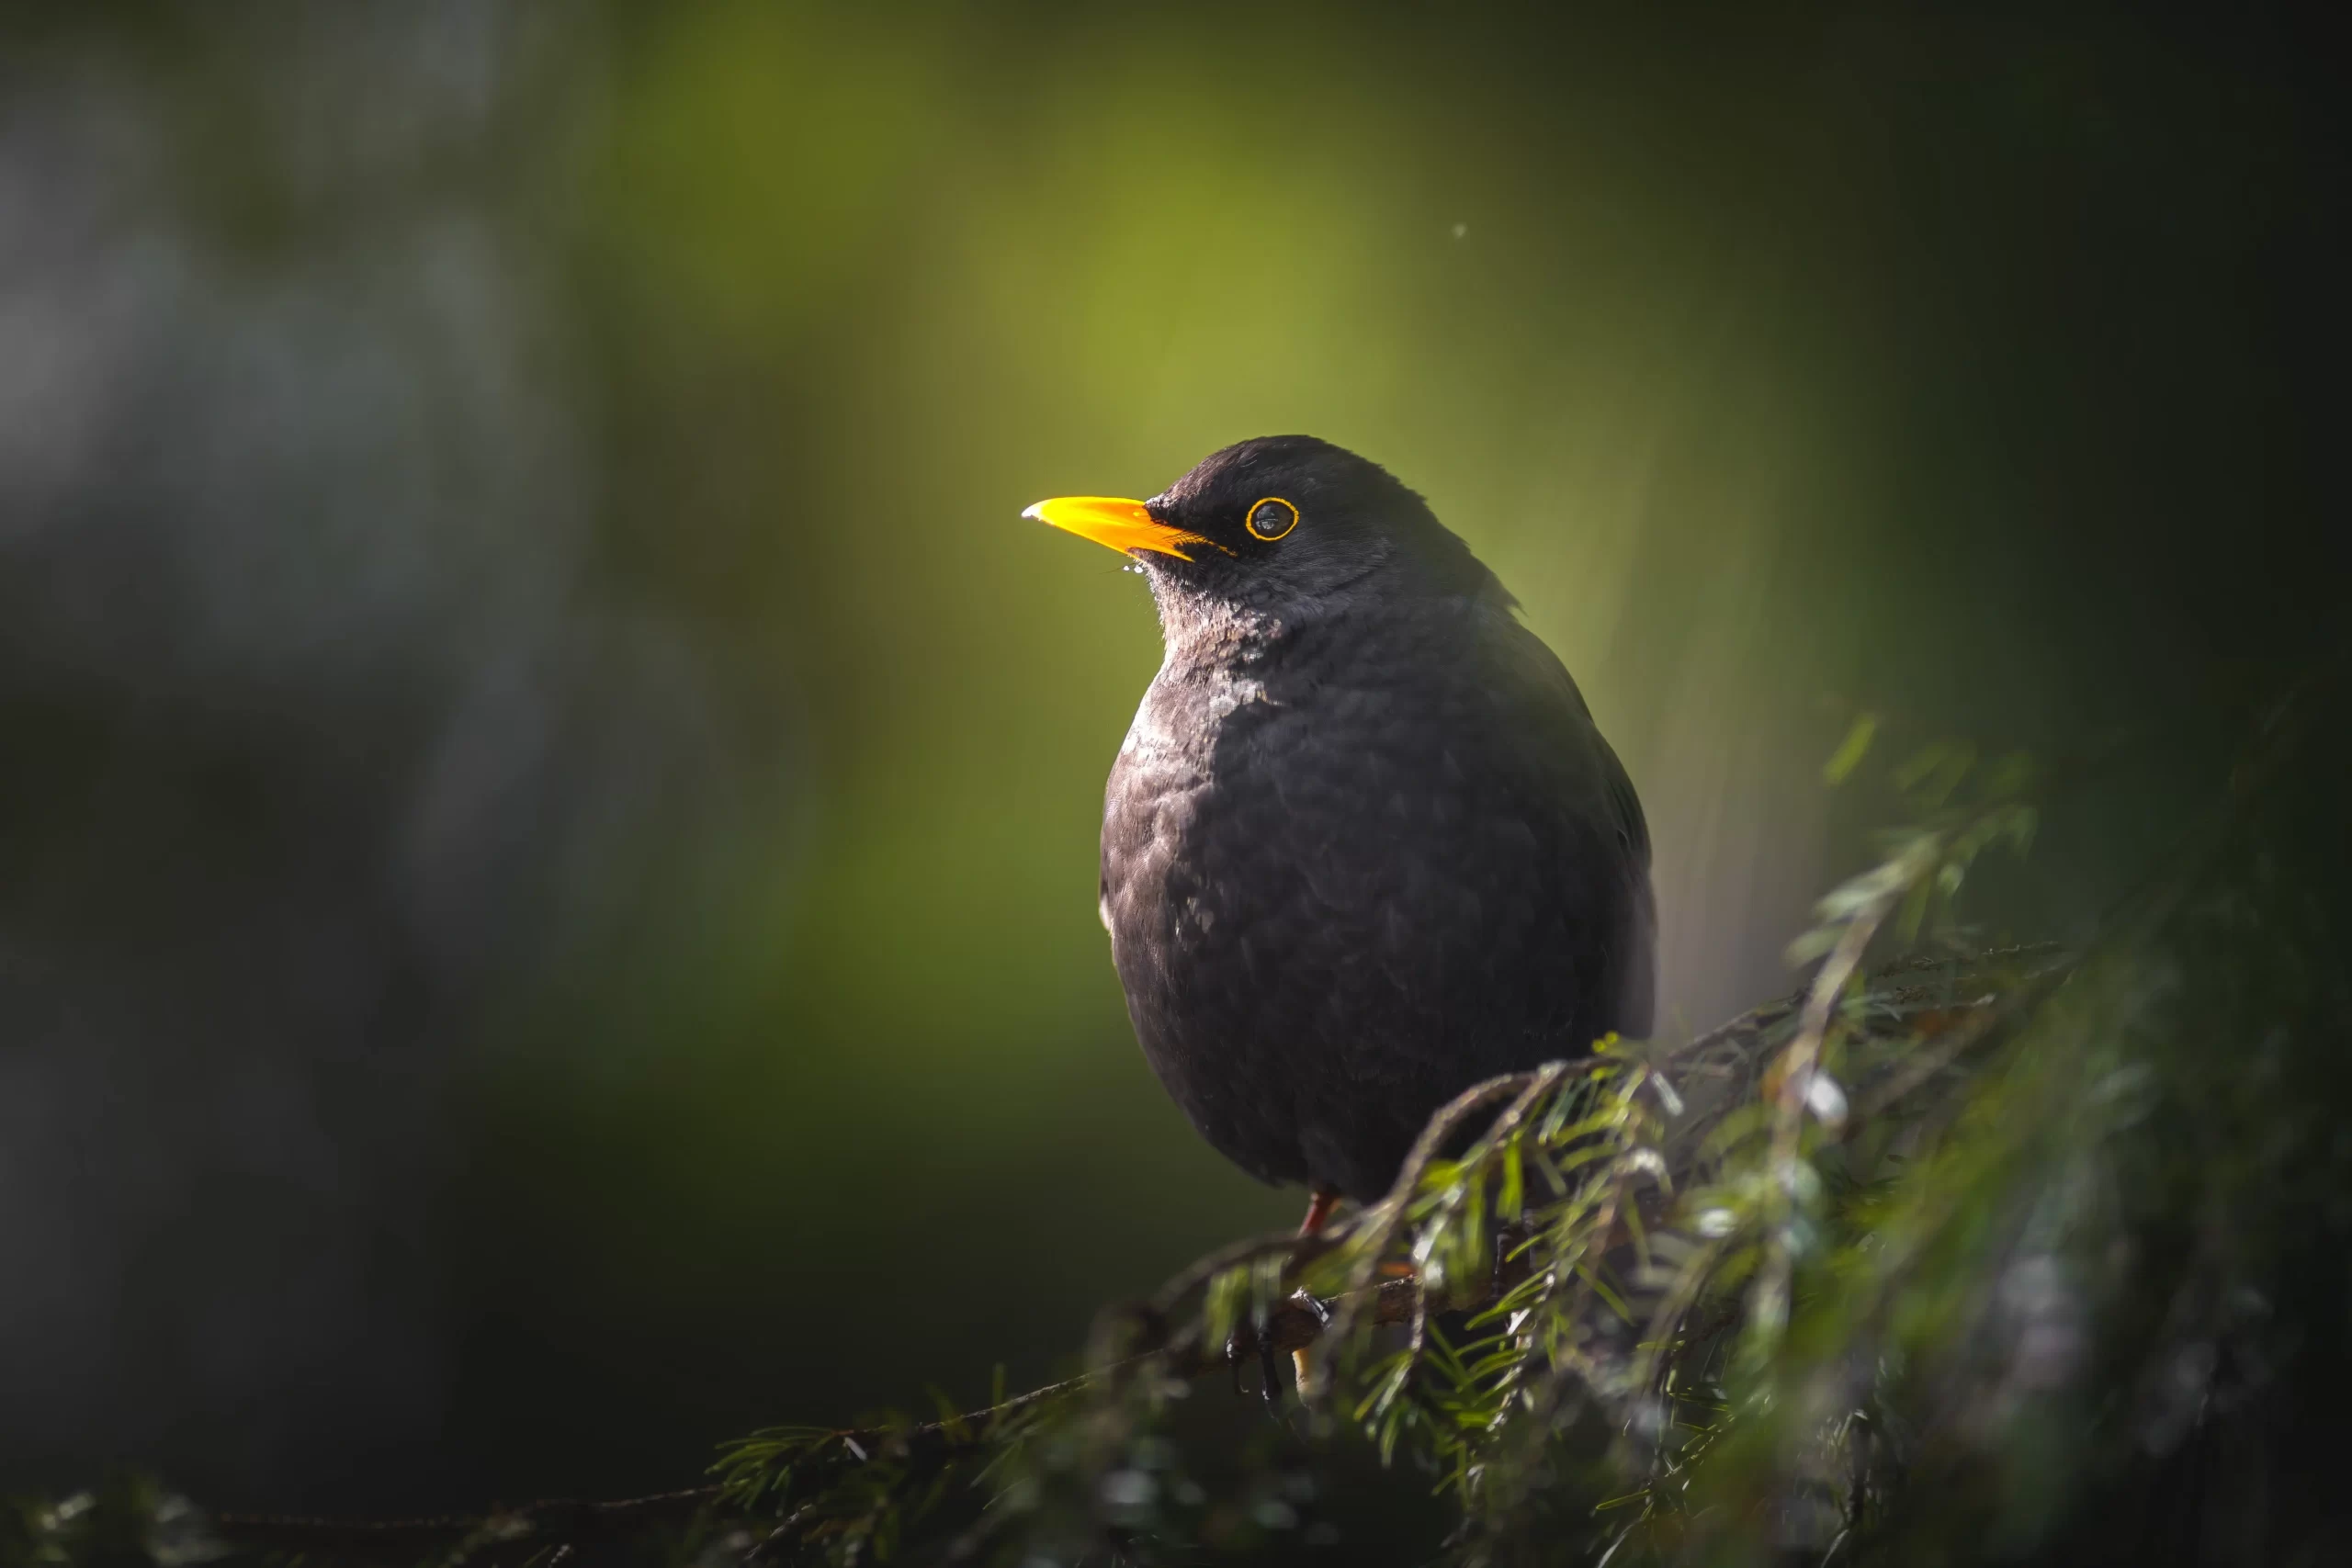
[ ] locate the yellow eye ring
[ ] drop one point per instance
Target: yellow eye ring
(1282, 523)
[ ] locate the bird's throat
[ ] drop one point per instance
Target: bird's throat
(1201, 632)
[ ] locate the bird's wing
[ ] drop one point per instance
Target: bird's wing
(1576, 776)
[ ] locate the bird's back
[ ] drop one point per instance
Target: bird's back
(1359, 863)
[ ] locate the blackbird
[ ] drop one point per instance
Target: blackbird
(1363, 845)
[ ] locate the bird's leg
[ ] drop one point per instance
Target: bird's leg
(1321, 1201)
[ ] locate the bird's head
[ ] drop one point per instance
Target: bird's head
(1280, 522)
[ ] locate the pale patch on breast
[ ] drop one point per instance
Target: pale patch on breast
(1231, 692)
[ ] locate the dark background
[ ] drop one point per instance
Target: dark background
(548, 796)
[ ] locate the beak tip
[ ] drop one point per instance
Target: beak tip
(1036, 510)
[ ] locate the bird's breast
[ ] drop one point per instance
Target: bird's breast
(1183, 744)
(1242, 806)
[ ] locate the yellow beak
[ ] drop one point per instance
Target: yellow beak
(1122, 525)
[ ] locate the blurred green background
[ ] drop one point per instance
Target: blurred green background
(548, 829)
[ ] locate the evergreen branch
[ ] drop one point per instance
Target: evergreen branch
(794, 1472)
(544, 1529)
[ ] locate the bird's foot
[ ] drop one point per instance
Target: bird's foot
(1269, 1377)
(1250, 1341)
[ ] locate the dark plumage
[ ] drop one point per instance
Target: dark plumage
(1363, 845)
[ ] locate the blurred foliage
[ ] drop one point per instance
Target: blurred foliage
(1958, 1257)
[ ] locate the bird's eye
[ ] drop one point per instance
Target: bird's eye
(1271, 518)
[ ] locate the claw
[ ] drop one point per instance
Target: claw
(1237, 1349)
(1269, 1377)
